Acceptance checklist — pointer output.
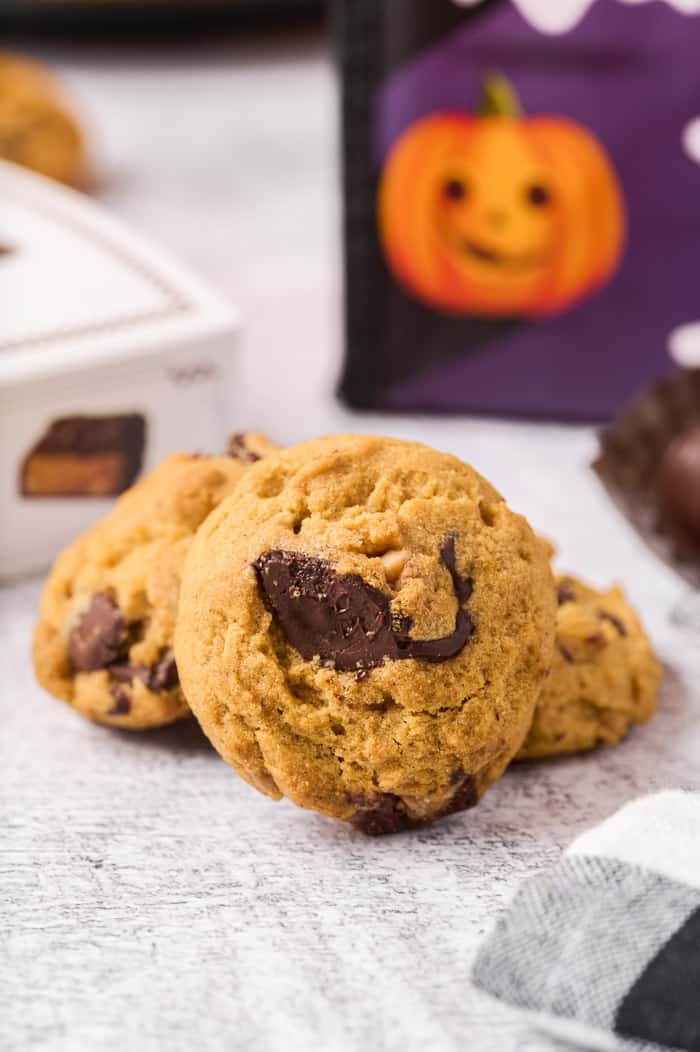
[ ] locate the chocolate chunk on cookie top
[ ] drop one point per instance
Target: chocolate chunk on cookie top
(337, 617)
(346, 621)
(360, 620)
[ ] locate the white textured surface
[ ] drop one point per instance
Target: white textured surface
(148, 899)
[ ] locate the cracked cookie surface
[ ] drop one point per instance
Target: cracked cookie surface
(104, 642)
(604, 675)
(364, 627)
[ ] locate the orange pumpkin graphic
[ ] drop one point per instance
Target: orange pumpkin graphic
(499, 214)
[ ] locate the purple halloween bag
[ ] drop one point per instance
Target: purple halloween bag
(522, 202)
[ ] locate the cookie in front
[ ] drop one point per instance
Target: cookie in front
(364, 627)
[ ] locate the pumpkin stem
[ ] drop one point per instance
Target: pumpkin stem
(498, 97)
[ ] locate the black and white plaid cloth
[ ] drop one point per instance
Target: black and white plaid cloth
(604, 950)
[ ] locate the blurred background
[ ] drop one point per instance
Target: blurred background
(212, 129)
(532, 258)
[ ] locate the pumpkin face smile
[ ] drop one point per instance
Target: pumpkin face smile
(496, 215)
(499, 215)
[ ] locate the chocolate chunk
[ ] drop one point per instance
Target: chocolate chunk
(437, 650)
(85, 456)
(565, 594)
(156, 678)
(238, 449)
(462, 585)
(465, 797)
(338, 617)
(164, 676)
(679, 478)
(614, 621)
(386, 812)
(565, 653)
(346, 621)
(99, 637)
(122, 702)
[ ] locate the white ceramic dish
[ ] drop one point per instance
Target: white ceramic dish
(94, 322)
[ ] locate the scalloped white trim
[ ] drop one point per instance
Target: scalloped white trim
(560, 16)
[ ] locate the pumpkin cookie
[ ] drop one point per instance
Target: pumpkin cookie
(37, 129)
(104, 640)
(364, 627)
(604, 675)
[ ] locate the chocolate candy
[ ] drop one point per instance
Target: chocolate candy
(346, 621)
(649, 462)
(85, 456)
(679, 479)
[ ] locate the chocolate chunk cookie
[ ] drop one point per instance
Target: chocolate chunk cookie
(104, 642)
(37, 127)
(364, 627)
(604, 675)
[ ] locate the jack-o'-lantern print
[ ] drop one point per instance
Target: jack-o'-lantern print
(499, 214)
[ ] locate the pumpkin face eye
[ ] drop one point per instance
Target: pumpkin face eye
(538, 195)
(455, 189)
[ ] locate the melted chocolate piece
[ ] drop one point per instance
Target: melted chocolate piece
(156, 678)
(679, 479)
(565, 653)
(238, 449)
(165, 675)
(565, 594)
(122, 702)
(346, 621)
(99, 637)
(462, 585)
(465, 797)
(614, 621)
(386, 813)
(383, 814)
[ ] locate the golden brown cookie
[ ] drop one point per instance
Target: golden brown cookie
(364, 627)
(104, 642)
(604, 675)
(37, 127)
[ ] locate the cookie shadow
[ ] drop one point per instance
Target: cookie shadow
(185, 736)
(564, 795)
